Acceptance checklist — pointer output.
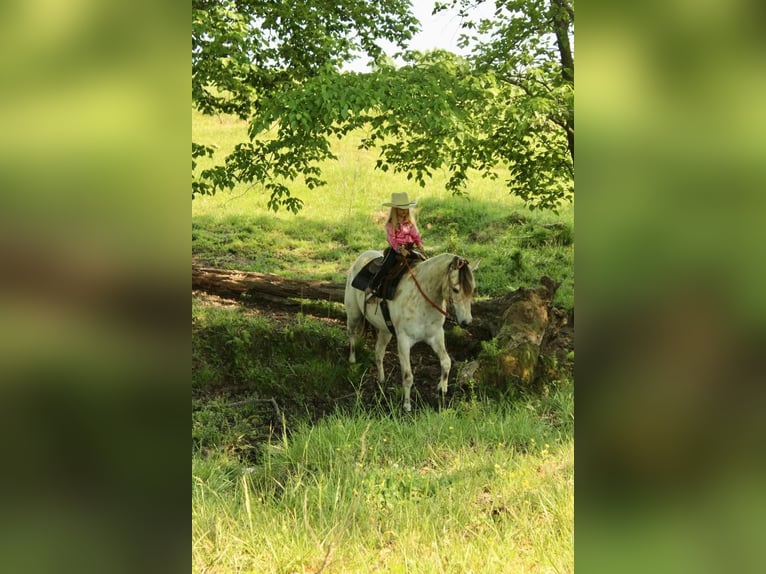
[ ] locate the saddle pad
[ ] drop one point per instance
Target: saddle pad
(366, 273)
(389, 283)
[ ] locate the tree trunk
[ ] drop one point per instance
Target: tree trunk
(563, 16)
(271, 288)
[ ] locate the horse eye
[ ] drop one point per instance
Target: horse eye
(456, 290)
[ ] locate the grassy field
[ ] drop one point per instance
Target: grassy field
(340, 479)
(340, 220)
(478, 488)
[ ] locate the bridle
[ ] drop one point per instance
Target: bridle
(461, 263)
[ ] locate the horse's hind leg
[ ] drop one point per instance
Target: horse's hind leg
(437, 344)
(351, 345)
(380, 350)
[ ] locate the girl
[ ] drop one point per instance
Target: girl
(402, 235)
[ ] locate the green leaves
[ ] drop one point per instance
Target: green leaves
(245, 52)
(244, 49)
(510, 104)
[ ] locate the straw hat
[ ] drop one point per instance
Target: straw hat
(401, 201)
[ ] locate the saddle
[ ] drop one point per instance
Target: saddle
(391, 279)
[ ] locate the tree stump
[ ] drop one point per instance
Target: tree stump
(511, 358)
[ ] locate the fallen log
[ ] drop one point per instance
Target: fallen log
(233, 284)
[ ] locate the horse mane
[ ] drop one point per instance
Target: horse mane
(466, 279)
(465, 275)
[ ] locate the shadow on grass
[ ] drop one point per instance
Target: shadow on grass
(515, 247)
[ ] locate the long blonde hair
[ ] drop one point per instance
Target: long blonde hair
(394, 220)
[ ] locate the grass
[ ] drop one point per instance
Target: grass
(340, 479)
(482, 487)
(479, 485)
(232, 347)
(515, 246)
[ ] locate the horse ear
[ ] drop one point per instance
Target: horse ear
(457, 263)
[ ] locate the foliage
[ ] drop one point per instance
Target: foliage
(244, 49)
(515, 246)
(510, 104)
(529, 44)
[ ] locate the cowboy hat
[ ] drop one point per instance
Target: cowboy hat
(401, 201)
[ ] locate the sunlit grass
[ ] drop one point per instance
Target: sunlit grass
(475, 489)
(478, 486)
(339, 220)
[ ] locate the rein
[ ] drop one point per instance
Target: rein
(434, 305)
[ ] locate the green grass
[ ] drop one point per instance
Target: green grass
(479, 485)
(340, 479)
(478, 488)
(233, 347)
(515, 246)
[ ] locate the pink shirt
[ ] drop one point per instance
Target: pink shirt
(406, 233)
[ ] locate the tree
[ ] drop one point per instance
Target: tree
(245, 50)
(510, 103)
(529, 48)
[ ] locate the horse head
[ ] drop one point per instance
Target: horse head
(461, 287)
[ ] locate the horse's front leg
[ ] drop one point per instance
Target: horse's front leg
(404, 345)
(380, 351)
(437, 344)
(354, 322)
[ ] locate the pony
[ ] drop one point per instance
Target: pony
(417, 311)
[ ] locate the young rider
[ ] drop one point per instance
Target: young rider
(402, 235)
